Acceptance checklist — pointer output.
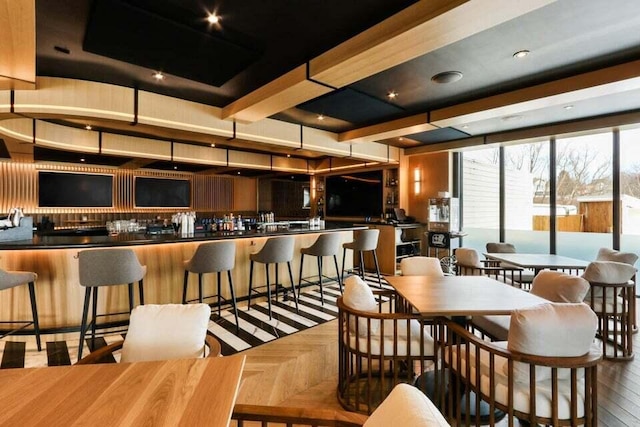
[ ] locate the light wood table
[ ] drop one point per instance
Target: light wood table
(461, 295)
(184, 392)
(539, 262)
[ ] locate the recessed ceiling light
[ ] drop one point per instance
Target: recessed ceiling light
(158, 75)
(293, 177)
(82, 159)
(392, 95)
(521, 54)
(238, 172)
(568, 107)
(320, 117)
(288, 155)
(400, 139)
(447, 77)
(213, 145)
(175, 168)
(212, 18)
(88, 127)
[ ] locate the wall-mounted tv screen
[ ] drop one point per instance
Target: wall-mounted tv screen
(74, 190)
(354, 194)
(162, 192)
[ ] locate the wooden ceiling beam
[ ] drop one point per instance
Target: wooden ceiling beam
(17, 44)
(417, 30)
(392, 129)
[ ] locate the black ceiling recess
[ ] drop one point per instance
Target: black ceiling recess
(4, 152)
(120, 30)
(439, 135)
(41, 154)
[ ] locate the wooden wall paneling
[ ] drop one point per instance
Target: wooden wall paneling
(245, 194)
(200, 154)
(213, 193)
(133, 146)
(289, 164)
(324, 141)
(18, 47)
(270, 131)
(165, 111)
(372, 151)
(244, 159)
(5, 101)
(69, 97)
(435, 177)
(20, 129)
(65, 137)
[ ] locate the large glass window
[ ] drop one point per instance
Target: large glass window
(630, 190)
(481, 197)
(584, 195)
(527, 203)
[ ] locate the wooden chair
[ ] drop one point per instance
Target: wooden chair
(377, 350)
(421, 266)
(162, 332)
(612, 298)
(545, 374)
(606, 254)
(508, 248)
(405, 406)
(468, 263)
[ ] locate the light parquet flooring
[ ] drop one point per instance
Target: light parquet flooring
(272, 377)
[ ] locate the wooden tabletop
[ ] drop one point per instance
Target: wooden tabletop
(539, 261)
(185, 392)
(461, 295)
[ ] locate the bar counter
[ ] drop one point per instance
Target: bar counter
(60, 296)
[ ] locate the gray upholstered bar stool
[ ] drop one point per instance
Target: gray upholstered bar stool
(274, 251)
(327, 244)
(11, 279)
(212, 257)
(364, 240)
(106, 267)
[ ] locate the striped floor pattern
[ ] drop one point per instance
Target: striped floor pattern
(255, 329)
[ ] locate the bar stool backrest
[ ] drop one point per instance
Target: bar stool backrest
(105, 267)
(504, 248)
(213, 257)
(365, 240)
(9, 279)
(276, 249)
(327, 244)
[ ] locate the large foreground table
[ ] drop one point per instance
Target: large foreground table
(185, 392)
(461, 295)
(539, 262)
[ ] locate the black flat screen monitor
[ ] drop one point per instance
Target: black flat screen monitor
(74, 190)
(355, 194)
(162, 193)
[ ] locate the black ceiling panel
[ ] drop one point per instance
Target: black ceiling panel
(439, 135)
(352, 106)
(41, 154)
(177, 166)
(4, 152)
(125, 32)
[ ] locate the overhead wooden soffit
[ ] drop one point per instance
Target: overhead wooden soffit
(415, 31)
(17, 44)
(393, 129)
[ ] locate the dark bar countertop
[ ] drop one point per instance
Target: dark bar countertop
(84, 239)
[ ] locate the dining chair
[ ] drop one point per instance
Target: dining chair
(377, 348)
(508, 248)
(12, 279)
(327, 244)
(545, 373)
(611, 297)
(554, 286)
(162, 332)
(606, 254)
(468, 263)
(421, 266)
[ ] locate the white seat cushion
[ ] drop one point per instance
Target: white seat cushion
(496, 326)
(406, 406)
(421, 266)
(468, 257)
(388, 348)
(359, 296)
(606, 254)
(169, 331)
(559, 287)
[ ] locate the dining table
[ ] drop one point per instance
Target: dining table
(537, 262)
(179, 392)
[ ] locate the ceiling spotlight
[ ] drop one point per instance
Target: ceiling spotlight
(568, 107)
(238, 172)
(82, 159)
(213, 18)
(447, 77)
(392, 95)
(175, 168)
(88, 127)
(521, 54)
(288, 155)
(400, 139)
(213, 145)
(320, 117)
(158, 75)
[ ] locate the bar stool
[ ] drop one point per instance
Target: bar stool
(212, 257)
(327, 244)
(11, 279)
(107, 267)
(364, 240)
(274, 251)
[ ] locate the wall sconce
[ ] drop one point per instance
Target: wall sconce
(416, 181)
(313, 187)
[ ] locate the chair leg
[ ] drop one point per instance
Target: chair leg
(300, 277)
(250, 283)
(95, 317)
(219, 297)
(266, 267)
(141, 291)
(200, 288)
(375, 261)
(361, 254)
(320, 280)
(130, 297)
(335, 261)
(83, 326)
(233, 300)
(344, 256)
(184, 287)
(277, 280)
(295, 298)
(34, 312)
